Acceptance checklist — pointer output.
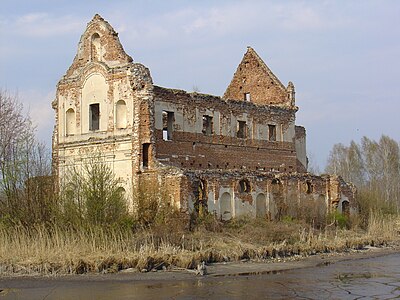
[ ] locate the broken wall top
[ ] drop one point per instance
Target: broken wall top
(99, 43)
(300, 132)
(253, 81)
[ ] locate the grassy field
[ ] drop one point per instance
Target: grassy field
(52, 250)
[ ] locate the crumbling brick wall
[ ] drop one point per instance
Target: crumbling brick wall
(240, 154)
(253, 81)
(268, 195)
(190, 148)
(300, 145)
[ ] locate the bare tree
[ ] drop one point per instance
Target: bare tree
(338, 161)
(373, 166)
(23, 161)
(313, 166)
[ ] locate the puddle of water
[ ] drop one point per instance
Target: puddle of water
(377, 278)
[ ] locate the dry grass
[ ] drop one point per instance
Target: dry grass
(55, 250)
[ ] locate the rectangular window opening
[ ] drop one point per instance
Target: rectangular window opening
(241, 132)
(168, 125)
(247, 97)
(145, 155)
(207, 125)
(94, 116)
(272, 132)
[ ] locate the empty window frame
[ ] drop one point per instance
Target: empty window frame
(309, 187)
(244, 186)
(168, 125)
(247, 97)
(272, 132)
(145, 155)
(241, 129)
(121, 191)
(207, 125)
(94, 116)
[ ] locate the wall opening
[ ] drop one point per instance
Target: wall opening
(225, 206)
(145, 155)
(275, 181)
(346, 208)
(94, 116)
(168, 125)
(272, 132)
(95, 47)
(207, 125)
(277, 196)
(120, 114)
(241, 129)
(244, 186)
(200, 192)
(121, 191)
(309, 187)
(70, 122)
(261, 207)
(247, 97)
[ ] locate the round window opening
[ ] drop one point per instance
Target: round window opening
(244, 186)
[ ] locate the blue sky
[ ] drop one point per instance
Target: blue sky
(342, 56)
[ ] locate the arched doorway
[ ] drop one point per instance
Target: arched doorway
(201, 198)
(225, 206)
(346, 208)
(260, 206)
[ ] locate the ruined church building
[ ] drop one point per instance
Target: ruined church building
(239, 154)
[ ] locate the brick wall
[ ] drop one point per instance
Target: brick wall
(253, 77)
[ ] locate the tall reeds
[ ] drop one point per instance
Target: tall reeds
(56, 250)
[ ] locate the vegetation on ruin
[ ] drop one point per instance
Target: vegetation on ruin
(87, 227)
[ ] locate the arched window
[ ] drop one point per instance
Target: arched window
(244, 186)
(70, 122)
(120, 114)
(275, 181)
(95, 47)
(121, 192)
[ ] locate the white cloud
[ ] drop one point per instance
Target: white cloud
(259, 16)
(31, 18)
(42, 25)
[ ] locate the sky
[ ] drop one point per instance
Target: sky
(342, 56)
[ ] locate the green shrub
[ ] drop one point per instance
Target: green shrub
(341, 220)
(93, 196)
